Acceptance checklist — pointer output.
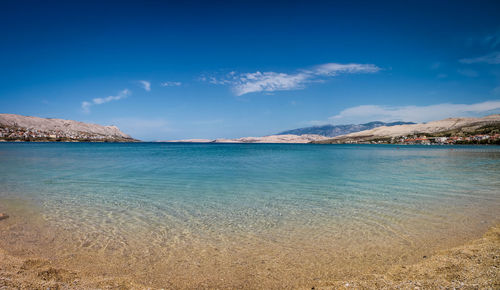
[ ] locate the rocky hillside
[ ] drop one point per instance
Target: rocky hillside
(24, 128)
(450, 126)
(337, 130)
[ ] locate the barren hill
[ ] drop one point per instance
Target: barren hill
(27, 128)
(450, 124)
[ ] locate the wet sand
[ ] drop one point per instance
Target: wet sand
(52, 262)
(475, 265)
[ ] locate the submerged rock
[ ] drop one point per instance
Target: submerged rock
(3, 216)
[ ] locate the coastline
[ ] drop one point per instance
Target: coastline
(70, 141)
(236, 143)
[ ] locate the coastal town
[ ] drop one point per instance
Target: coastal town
(430, 140)
(450, 131)
(474, 139)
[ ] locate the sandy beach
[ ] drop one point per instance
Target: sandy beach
(472, 265)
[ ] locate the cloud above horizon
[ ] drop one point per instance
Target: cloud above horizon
(492, 39)
(491, 58)
(98, 101)
(419, 114)
(468, 73)
(170, 84)
(245, 83)
(146, 85)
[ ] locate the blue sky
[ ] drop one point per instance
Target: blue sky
(207, 69)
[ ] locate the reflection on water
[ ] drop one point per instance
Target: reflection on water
(202, 214)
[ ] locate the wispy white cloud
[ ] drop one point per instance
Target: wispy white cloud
(146, 85)
(170, 84)
(367, 113)
(86, 106)
(333, 69)
(316, 123)
(492, 58)
(468, 73)
(98, 101)
(268, 82)
(244, 83)
(436, 65)
(491, 40)
(208, 122)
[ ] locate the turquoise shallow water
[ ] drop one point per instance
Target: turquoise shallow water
(161, 197)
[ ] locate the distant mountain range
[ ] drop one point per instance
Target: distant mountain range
(447, 127)
(301, 135)
(337, 130)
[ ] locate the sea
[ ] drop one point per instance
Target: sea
(187, 215)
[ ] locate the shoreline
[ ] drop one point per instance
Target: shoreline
(70, 141)
(240, 143)
(473, 264)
